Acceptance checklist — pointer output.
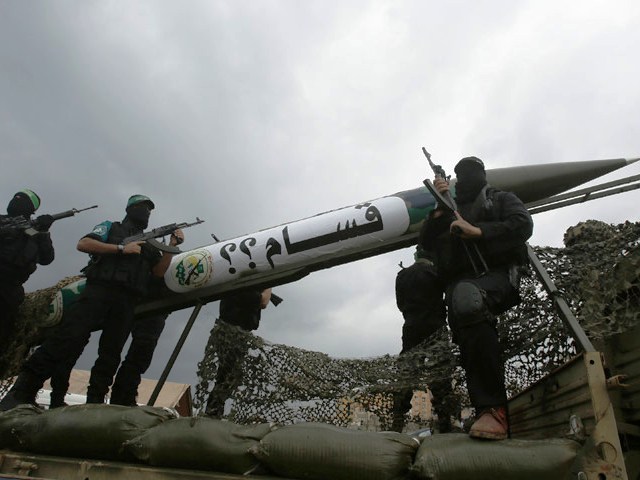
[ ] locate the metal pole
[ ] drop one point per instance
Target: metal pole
(584, 195)
(568, 318)
(174, 355)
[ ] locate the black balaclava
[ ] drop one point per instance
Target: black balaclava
(470, 179)
(22, 205)
(139, 214)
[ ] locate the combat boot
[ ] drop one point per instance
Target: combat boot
(24, 390)
(57, 401)
(492, 424)
(93, 398)
(124, 400)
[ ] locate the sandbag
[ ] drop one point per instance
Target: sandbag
(455, 456)
(199, 443)
(317, 451)
(12, 420)
(88, 431)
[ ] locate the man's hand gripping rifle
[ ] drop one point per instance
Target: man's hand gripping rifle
(446, 201)
(41, 223)
(151, 235)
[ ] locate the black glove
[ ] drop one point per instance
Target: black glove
(43, 222)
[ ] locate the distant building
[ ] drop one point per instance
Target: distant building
(362, 419)
(421, 405)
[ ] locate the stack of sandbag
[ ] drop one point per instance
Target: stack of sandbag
(86, 431)
(13, 425)
(455, 456)
(200, 443)
(316, 451)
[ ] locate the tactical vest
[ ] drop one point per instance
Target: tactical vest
(453, 258)
(131, 272)
(492, 204)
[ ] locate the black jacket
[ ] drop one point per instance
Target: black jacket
(506, 226)
(21, 253)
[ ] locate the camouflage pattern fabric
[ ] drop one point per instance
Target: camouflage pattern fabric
(31, 328)
(598, 273)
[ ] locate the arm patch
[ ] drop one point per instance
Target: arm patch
(101, 231)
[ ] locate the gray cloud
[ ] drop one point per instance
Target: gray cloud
(253, 114)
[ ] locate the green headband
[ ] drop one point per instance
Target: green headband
(35, 199)
(134, 199)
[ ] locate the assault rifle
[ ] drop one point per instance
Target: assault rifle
(31, 227)
(446, 201)
(151, 235)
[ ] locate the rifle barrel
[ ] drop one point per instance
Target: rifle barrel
(71, 213)
(65, 214)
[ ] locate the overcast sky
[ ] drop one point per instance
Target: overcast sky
(250, 114)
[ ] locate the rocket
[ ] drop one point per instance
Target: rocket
(290, 251)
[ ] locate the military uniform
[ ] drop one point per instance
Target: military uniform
(20, 253)
(115, 282)
(480, 276)
(145, 333)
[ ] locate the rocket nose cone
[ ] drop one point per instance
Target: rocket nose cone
(535, 182)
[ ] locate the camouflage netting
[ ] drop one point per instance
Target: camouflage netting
(598, 273)
(31, 328)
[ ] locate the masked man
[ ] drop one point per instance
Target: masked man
(20, 253)
(478, 252)
(118, 275)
